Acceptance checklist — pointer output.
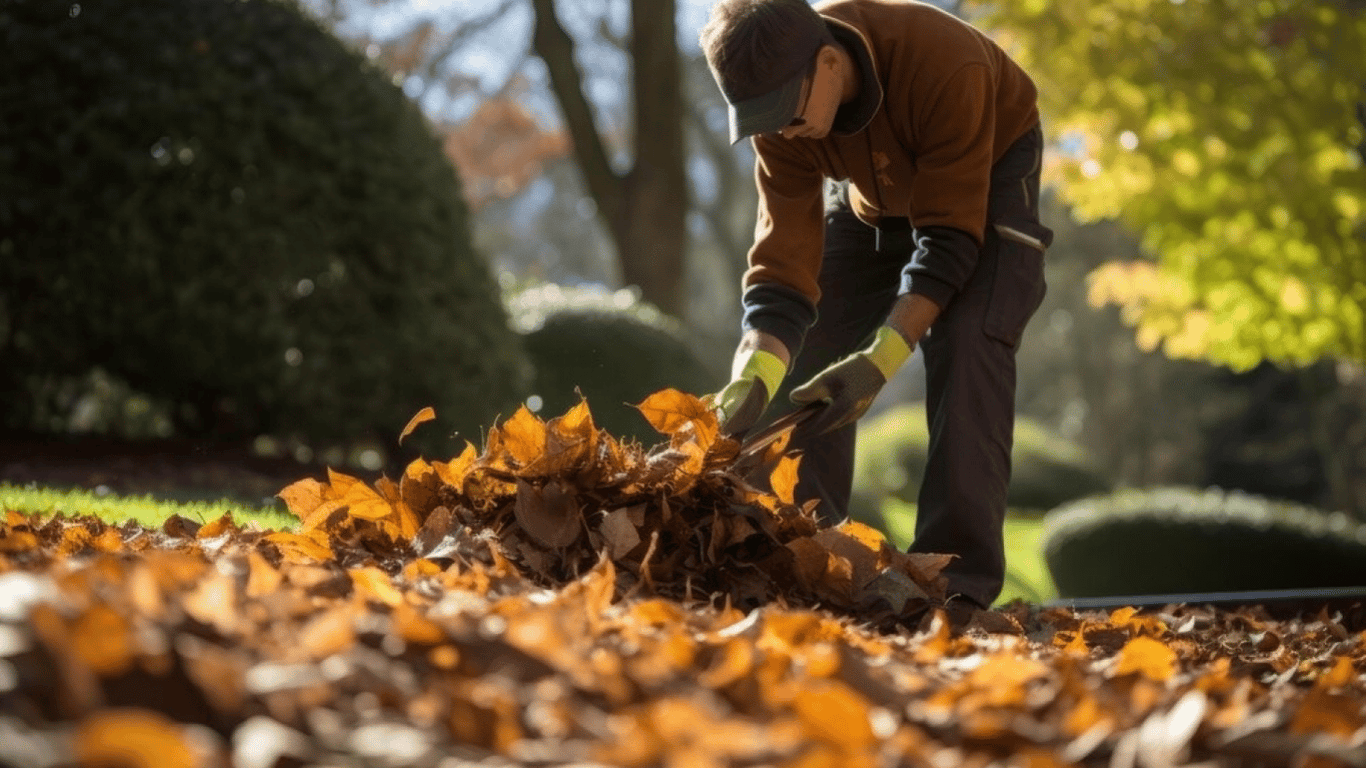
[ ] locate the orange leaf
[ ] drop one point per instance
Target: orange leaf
(302, 497)
(733, 661)
(835, 714)
(524, 436)
(1003, 679)
(103, 640)
(329, 632)
(262, 578)
(422, 416)
(1147, 657)
(669, 409)
(1330, 713)
(339, 485)
(298, 547)
(453, 472)
(14, 542)
(132, 738)
(418, 488)
(373, 584)
(784, 479)
(224, 524)
(414, 627)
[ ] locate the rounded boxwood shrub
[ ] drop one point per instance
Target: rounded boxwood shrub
(219, 203)
(1185, 540)
(1046, 469)
(609, 347)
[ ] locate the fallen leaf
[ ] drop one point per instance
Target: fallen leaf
(1147, 657)
(549, 514)
(421, 417)
(132, 738)
(669, 410)
(619, 532)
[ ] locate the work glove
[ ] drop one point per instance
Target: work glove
(740, 404)
(849, 386)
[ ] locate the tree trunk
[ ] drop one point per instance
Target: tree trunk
(644, 209)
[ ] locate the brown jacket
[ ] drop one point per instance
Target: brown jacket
(944, 103)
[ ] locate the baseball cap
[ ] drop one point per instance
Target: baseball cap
(763, 85)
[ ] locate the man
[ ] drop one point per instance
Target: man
(897, 167)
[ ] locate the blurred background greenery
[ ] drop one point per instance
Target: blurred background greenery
(291, 226)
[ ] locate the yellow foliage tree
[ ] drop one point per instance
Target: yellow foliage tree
(1232, 135)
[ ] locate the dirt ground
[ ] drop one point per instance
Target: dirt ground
(176, 470)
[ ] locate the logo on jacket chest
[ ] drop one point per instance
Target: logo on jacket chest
(880, 165)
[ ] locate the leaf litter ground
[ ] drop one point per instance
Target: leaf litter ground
(565, 598)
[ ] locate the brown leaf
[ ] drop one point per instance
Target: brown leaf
(421, 417)
(549, 514)
(621, 535)
(810, 560)
(180, 527)
(857, 543)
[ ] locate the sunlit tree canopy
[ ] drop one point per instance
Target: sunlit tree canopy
(1232, 135)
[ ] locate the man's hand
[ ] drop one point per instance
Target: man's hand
(850, 385)
(755, 378)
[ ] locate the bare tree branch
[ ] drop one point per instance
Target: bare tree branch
(556, 49)
(462, 34)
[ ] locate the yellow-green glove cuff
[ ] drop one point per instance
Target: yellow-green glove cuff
(888, 351)
(765, 366)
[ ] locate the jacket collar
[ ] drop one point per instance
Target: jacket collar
(858, 113)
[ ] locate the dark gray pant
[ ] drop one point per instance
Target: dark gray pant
(970, 372)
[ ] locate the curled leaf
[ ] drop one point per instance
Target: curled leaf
(421, 417)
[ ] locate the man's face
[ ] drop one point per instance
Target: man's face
(821, 91)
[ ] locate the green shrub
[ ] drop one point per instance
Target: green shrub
(219, 204)
(611, 348)
(1047, 469)
(1183, 540)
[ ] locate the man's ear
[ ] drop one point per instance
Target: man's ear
(827, 56)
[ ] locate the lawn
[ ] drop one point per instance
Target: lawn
(145, 510)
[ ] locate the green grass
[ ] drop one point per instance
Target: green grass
(1026, 574)
(145, 510)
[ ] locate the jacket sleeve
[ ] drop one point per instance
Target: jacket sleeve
(781, 286)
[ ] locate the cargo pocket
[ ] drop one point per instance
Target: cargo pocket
(1018, 287)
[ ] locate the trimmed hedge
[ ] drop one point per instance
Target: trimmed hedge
(1183, 540)
(611, 348)
(1047, 469)
(218, 203)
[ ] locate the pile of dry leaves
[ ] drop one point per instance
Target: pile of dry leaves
(564, 598)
